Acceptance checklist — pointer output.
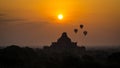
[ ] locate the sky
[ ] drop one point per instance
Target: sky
(34, 23)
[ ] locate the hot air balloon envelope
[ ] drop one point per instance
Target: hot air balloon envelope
(75, 30)
(85, 33)
(81, 26)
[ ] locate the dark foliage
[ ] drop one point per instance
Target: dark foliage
(17, 57)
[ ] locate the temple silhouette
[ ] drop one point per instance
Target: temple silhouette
(63, 44)
(64, 53)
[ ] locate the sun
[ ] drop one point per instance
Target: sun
(60, 16)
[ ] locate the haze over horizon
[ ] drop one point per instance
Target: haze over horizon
(35, 22)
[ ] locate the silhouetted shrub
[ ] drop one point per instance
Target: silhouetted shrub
(114, 57)
(72, 61)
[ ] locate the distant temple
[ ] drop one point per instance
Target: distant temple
(64, 43)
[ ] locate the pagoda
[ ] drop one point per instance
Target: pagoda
(64, 43)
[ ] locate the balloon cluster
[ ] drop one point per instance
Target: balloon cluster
(81, 27)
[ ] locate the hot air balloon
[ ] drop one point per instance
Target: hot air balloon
(75, 30)
(81, 26)
(85, 33)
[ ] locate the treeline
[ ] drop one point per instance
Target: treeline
(25, 57)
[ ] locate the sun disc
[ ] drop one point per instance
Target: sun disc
(60, 16)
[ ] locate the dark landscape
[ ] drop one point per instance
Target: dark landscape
(61, 54)
(59, 33)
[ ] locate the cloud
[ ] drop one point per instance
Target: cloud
(10, 20)
(4, 18)
(2, 14)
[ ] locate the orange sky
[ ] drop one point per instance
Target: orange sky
(28, 22)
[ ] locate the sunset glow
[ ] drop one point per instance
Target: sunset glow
(28, 22)
(60, 16)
